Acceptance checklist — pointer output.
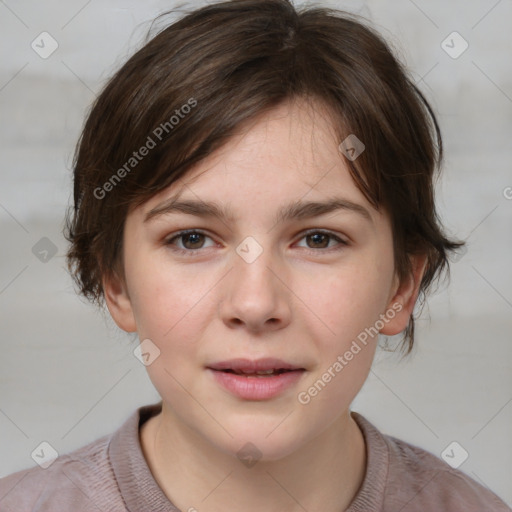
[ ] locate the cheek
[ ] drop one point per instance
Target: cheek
(170, 310)
(168, 301)
(348, 305)
(346, 302)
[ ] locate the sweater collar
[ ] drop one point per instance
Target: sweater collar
(138, 487)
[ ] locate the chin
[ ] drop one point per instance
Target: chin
(263, 442)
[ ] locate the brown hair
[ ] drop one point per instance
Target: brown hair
(192, 86)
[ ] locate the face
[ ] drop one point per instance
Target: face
(254, 285)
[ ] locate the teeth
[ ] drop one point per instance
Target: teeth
(273, 371)
(259, 372)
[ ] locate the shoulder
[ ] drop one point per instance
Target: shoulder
(80, 480)
(419, 480)
(405, 477)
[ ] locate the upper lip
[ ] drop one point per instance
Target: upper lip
(247, 365)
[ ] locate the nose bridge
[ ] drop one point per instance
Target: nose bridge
(252, 267)
(255, 295)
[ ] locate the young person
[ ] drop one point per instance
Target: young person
(253, 196)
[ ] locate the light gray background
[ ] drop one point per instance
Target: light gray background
(68, 375)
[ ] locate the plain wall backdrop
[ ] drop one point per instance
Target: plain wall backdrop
(68, 374)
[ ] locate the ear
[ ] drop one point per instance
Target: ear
(118, 302)
(404, 298)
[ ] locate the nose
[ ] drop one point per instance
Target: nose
(256, 296)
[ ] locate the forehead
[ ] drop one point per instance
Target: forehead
(290, 153)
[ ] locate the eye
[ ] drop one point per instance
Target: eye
(321, 239)
(192, 240)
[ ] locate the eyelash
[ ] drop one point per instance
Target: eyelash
(193, 252)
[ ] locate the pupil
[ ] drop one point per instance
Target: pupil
(316, 238)
(194, 235)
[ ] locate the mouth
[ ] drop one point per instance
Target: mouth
(261, 379)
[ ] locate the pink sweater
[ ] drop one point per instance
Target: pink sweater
(111, 475)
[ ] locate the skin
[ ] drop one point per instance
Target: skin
(303, 300)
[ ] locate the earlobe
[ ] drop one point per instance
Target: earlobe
(119, 303)
(403, 301)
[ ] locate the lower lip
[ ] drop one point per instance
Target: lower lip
(257, 388)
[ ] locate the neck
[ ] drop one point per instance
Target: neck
(323, 475)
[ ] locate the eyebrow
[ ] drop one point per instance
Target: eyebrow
(297, 210)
